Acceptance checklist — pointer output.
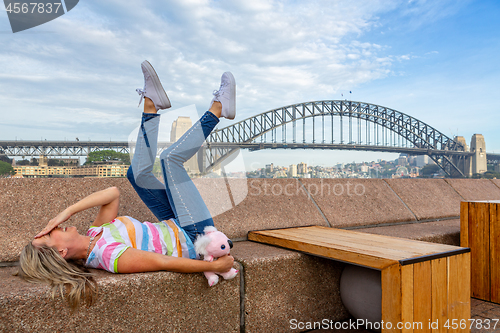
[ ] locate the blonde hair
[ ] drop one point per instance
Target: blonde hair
(69, 278)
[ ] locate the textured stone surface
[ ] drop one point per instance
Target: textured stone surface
(343, 330)
(28, 204)
(238, 206)
(269, 204)
(475, 189)
(281, 285)
(354, 202)
(427, 198)
(496, 182)
(444, 232)
(146, 302)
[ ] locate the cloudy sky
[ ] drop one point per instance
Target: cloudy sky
(76, 76)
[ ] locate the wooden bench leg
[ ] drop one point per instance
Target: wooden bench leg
(427, 296)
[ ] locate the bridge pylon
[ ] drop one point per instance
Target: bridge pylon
(463, 163)
(478, 160)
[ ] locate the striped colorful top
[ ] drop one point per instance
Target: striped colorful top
(123, 232)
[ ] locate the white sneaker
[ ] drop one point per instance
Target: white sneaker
(153, 88)
(226, 95)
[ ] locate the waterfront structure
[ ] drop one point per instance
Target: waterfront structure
(338, 124)
(94, 170)
(331, 124)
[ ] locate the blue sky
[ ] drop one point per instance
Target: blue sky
(76, 76)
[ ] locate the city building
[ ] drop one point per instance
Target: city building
(423, 160)
(403, 159)
(94, 170)
(292, 170)
(301, 168)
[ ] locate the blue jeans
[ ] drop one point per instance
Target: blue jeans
(178, 198)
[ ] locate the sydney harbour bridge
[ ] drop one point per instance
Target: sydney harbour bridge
(325, 125)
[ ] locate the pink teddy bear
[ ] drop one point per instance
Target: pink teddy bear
(214, 244)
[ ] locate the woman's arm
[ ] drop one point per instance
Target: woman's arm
(108, 199)
(137, 261)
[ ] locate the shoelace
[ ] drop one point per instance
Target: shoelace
(142, 93)
(223, 84)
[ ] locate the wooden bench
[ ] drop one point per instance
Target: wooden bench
(480, 230)
(421, 282)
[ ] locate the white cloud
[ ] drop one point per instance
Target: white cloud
(281, 52)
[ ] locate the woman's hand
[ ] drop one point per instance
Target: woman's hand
(108, 199)
(60, 218)
(223, 264)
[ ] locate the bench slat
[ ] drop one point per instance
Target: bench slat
(422, 283)
(407, 247)
(322, 249)
(374, 251)
(349, 243)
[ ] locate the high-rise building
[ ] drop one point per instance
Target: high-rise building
(179, 127)
(403, 159)
(292, 170)
(301, 168)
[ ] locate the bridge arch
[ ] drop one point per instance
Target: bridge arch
(408, 130)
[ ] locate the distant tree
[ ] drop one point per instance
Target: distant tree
(106, 156)
(55, 162)
(6, 169)
(429, 169)
(487, 175)
(23, 162)
(4, 158)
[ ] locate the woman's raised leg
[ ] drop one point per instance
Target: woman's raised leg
(186, 202)
(179, 197)
(148, 187)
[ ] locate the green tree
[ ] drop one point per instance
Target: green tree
(106, 156)
(23, 162)
(4, 158)
(429, 169)
(6, 169)
(55, 162)
(487, 175)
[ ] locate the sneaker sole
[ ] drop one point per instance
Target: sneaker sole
(162, 95)
(233, 95)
